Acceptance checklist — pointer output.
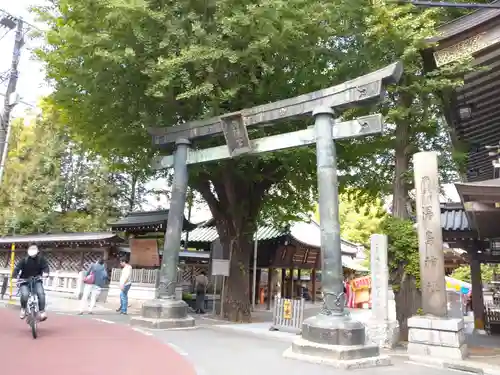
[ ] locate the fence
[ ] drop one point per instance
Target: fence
(70, 283)
(139, 276)
(288, 315)
(185, 277)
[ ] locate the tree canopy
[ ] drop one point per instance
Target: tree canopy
(488, 271)
(51, 184)
(359, 220)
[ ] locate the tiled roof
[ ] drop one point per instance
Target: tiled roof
(62, 238)
(148, 220)
(453, 218)
(209, 234)
(307, 233)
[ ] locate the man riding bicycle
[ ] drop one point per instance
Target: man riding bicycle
(32, 266)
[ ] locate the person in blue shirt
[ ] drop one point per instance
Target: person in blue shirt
(95, 279)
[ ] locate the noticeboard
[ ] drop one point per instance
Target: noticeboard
(220, 267)
(144, 252)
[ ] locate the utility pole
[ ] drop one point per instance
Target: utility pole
(9, 103)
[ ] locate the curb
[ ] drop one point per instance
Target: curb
(480, 368)
(228, 328)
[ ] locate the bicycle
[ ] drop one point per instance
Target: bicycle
(32, 313)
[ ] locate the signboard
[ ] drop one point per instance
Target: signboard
(287, 309)
(236, 135)
(361, 283)
(220, 267)
(144, 252)
(217, 251)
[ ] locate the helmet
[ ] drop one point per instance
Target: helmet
(33, 251)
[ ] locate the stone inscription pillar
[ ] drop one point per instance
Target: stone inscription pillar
(430, 238)
(380, 330)
(380, 277)
(433, 337)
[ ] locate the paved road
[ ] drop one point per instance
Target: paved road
(68, 345)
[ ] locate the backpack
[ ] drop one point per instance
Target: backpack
(90, 278)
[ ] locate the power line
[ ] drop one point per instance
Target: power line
(16, 18)
(22, 102)
(4, 34)
(447, 4)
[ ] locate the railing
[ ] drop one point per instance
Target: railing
(62, 282)
(139, 276)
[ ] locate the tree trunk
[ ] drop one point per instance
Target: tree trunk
(408, 300)
(133, 189)
(407, 297)
(237, 307)
(235, 201)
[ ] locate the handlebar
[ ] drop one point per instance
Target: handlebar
(35, 278)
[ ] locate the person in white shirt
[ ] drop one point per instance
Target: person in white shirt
(125, 284)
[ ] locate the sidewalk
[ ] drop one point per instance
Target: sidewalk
(57, 303)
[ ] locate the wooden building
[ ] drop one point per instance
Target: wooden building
(68, 255)
(290, 257)
(145, 232)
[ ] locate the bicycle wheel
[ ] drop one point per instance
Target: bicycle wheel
(33, 323)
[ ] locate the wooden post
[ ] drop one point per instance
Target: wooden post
(298, 285)
(283, 274)
(270, 289)
(313, 278)
(257, 284)
(477, 292)
(290, 285)
(82, 261)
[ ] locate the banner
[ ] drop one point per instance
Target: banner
(364, 282)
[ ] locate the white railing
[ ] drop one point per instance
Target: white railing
(139, 276)
(57, 281)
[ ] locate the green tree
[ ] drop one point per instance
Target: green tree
(28, 192)
(51, 184)
(358, 220)
(462, 273)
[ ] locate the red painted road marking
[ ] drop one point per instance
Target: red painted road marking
(69, 345)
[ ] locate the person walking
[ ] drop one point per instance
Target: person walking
(201, 282)
(95, 279)
(125, 284)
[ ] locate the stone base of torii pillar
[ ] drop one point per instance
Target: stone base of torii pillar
(164, 314)
(337, 341)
